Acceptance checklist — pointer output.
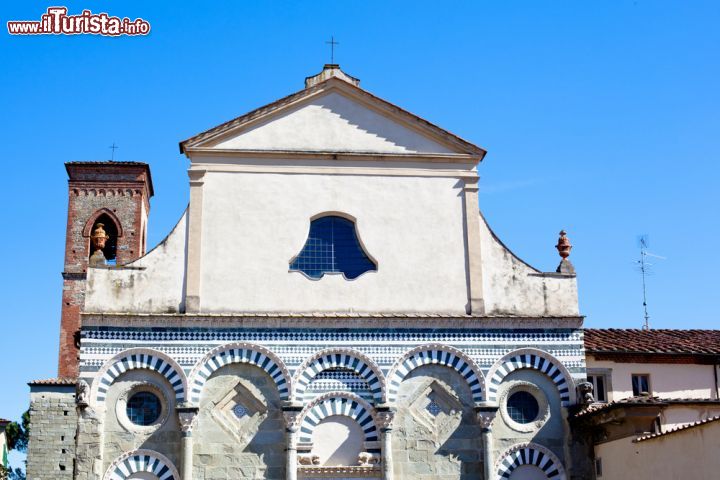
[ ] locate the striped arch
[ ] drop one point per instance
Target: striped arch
(239, 353)
(340, 358)
(338, 403)
(534, 359)
(142, 461)
(440, 355)
(139, 358)
(529, 454)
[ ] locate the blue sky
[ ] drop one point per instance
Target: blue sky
(600, 117)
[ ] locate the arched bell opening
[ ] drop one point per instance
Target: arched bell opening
(103, 241)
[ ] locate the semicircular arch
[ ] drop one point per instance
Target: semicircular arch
(531, 358)
(342, 358)
(139, 358)
(239, 352)
(142, 460)
(338, 403)
(436, 354)
(529, 454)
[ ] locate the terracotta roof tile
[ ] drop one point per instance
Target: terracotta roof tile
(641, 400)
(677, 429)
(54, 381)
(630, 401)
(663, 341)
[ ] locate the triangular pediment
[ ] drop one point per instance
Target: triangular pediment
(332, 116)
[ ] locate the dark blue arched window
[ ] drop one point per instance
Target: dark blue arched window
(332, 247)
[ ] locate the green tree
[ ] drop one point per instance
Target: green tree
(17, 435)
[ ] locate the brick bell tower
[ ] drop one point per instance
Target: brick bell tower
(116, 195)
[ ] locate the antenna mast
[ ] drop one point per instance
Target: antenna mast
(645, 271)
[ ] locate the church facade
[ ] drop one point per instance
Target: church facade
(332, 304)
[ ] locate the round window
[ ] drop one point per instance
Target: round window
(523, 407)
(144, 408)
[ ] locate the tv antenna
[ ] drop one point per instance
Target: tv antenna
(645, 269)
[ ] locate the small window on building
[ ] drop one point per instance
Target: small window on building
(641, 384)
(599, 387)
(332, 247)
(144, 408)
(598, 467)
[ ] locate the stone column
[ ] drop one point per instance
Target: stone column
(291, 413)
(385, 417)
(194, 239)
(485, 413)
(187, 417)
(473, 246)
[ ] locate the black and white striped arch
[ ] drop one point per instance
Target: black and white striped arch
(239, 353)
(436, 355)
(142, 461)
(141, 359)
(532, 360)
(530, 454)
(346, 359)
(344, 405)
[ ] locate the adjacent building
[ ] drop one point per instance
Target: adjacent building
(3, 443)
(657, 404)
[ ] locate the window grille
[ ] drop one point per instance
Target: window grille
(332, 247)
(523, 407)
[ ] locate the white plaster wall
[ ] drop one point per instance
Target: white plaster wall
(689, 454)
(152, 283)
(254, 224)
(331, 122)
(666, 380)
(510, 286)
(677, 415)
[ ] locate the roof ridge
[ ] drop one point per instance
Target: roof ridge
(319, 88)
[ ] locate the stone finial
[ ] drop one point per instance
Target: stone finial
(98, 239)
(563, 247)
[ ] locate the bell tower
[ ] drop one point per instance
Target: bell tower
(108, 207)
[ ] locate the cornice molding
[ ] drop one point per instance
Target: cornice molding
(410, 321)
